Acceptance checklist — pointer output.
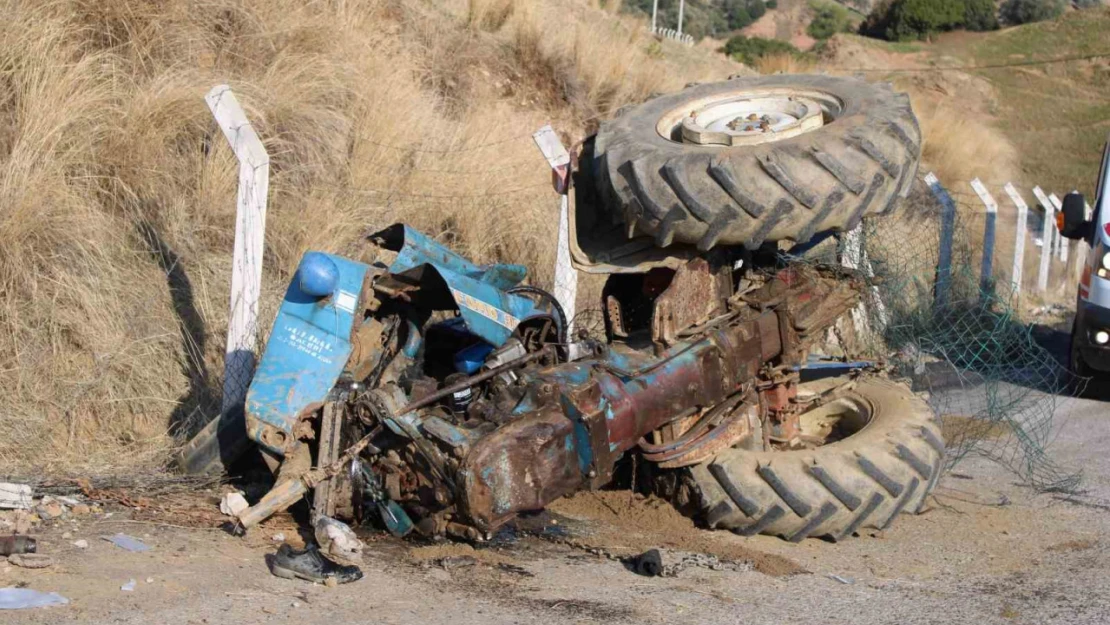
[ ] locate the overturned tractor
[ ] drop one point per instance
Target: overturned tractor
(439, 396)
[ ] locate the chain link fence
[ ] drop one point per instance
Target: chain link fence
(996, 391)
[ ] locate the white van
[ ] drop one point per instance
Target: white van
(1090, 336)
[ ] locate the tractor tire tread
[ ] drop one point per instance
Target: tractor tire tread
(864, 480)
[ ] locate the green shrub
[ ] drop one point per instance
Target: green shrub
(980, 15)
(902, 20)
(774, 4)
(741, 13)
(748, 49)
(1026, 11)
(756, 9)
(828, 19)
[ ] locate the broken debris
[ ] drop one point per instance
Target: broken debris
(338, 541)
(50, 508)
(233, 503)
(15, 496)
(17, 544)
(31, 560)
(648, 563)
(21, 598)
(123, 541)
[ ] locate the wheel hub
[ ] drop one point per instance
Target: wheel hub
(751, 120)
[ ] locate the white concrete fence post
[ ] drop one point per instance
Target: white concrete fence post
(986, 275)
(947, 230)
(1061, 242)
(250, 230)
(566, 277)
(1019, 237)
(1047, 229)
(854, 256)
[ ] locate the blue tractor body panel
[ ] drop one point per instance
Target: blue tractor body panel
(477, 290)
(310, 344)
(306, 353)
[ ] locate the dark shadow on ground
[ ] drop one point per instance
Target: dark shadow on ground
(195, 408)
(1056, 339)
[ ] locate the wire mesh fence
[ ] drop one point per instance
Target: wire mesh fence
(995, 389)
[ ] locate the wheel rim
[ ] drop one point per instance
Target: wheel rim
(836, 420)
(748, 118)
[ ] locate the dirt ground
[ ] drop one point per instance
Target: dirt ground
(988, 550)
(788, 22)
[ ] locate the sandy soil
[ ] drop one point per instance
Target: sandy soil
(788, 22)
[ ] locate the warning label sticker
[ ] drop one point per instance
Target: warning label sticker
(486, 310)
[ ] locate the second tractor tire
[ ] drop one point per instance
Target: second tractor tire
(864, 480)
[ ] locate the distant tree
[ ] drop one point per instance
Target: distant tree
(771, 4)
(756, 9)
(980, 15)
(1026, 11)
(902, 20)
(739, 12)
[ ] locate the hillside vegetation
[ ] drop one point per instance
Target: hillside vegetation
(117, 189)
(1057, 115)
(1054, 116)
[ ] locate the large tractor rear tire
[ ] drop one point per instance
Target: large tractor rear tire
(754, 160)
(887, 465)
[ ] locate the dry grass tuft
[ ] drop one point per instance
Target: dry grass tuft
(489, 15)
(117, 189)
(784, 63)
(960, 146)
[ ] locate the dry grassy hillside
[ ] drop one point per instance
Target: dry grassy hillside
(117, 189)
